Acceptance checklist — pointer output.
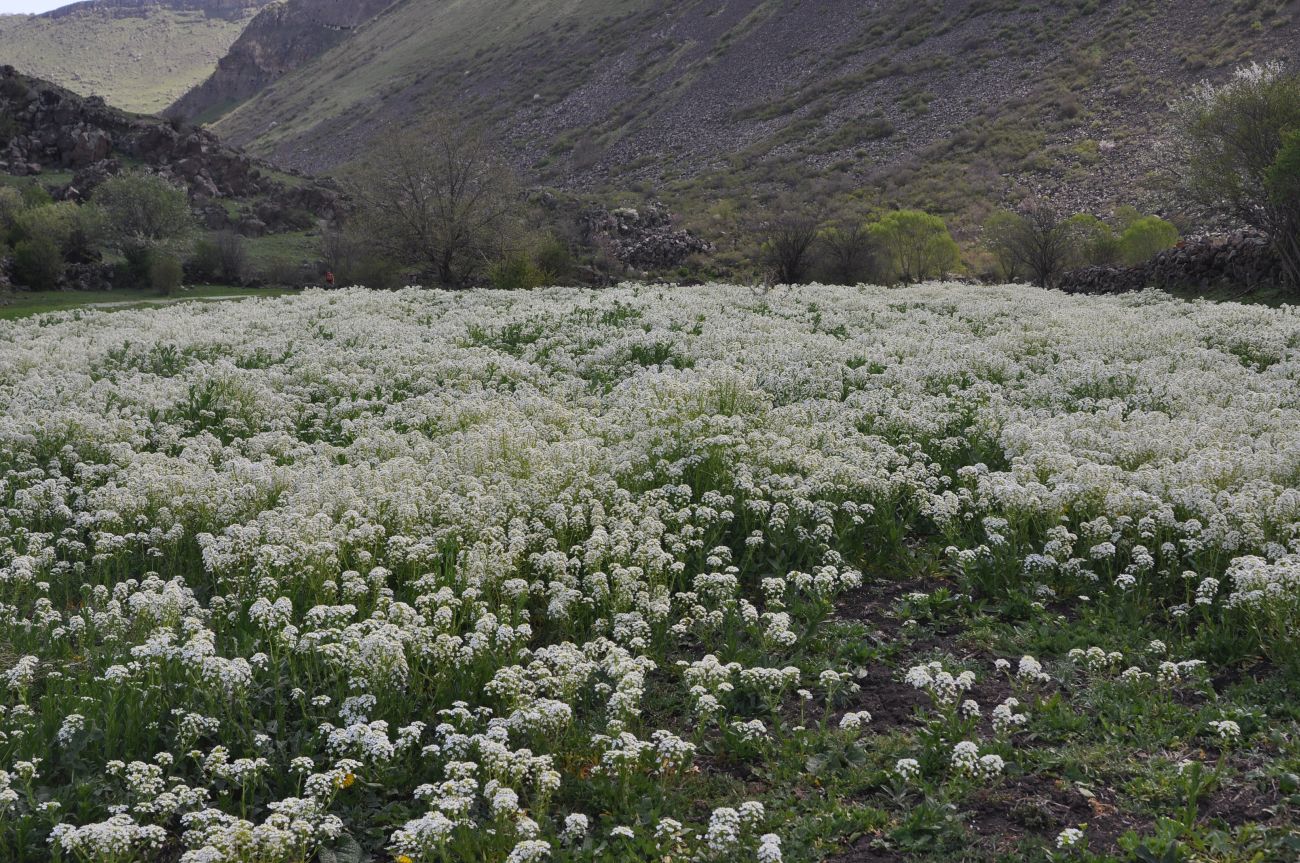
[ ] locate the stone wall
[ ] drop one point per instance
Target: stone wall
(1241, 260)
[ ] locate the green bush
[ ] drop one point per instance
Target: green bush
(76, 231)
(1145, 238)
(282, 272)
(38, 264)
(553, 257)
(220, 257)
(165, 274)
(376, 272)
(517, 273)
(915, 246)
(1095, 242)
(11, 204)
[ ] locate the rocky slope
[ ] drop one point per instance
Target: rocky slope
(140, 55)
(282, 37)
(942, 103)
(49, 129)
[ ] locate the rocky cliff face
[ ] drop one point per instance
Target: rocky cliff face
(284, 36)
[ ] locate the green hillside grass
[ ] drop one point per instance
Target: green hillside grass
(140, 62)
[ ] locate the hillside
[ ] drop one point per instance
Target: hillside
(140, 55)
(938, 104)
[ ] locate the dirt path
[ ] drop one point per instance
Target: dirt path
(160, 302)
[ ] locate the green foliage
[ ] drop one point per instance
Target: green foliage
(38, 263)
(1094, 242)
(915, 245)
(554, 257)
(11, 204)
(219, 257)
(36, 195)
(144, 211)
(516, 272)
(1283, 176)
(1233, 137)
(76, 231)
(165, 274)
(1146, 237)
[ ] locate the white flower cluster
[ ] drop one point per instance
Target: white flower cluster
(268, 541)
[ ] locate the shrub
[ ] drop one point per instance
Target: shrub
(554, 257)
(11, 204)
(282, 272)
(1036, 241)
(915, 246)
(516, 272)
(165, 274)
(220, 257)
(76, 231)
(1146, 237)
(38, 264)
(1094, 243)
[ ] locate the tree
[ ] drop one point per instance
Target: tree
(788, 247)
(1145, 238)
(437, 200)
(999, 231)
(850, 258)
(1231, 138)
(1038, 241)
(143, 214)
(915, 245)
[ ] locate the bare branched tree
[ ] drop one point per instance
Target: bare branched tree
(435, 199)
(787, 250)
(848, 252)
(1038, 240)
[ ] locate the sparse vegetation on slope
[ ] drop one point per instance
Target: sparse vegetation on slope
(951, 107)
(139, 59)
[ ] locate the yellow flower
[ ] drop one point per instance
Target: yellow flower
(402, 858)
(346, 781)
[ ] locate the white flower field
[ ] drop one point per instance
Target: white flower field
(651, 574)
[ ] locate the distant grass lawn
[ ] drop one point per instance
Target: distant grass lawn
(21, 304)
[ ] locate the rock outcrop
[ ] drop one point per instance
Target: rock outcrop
(1242, 260)
(48, 127)
(643, 239)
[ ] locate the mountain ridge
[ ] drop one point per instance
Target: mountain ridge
(937, 103)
